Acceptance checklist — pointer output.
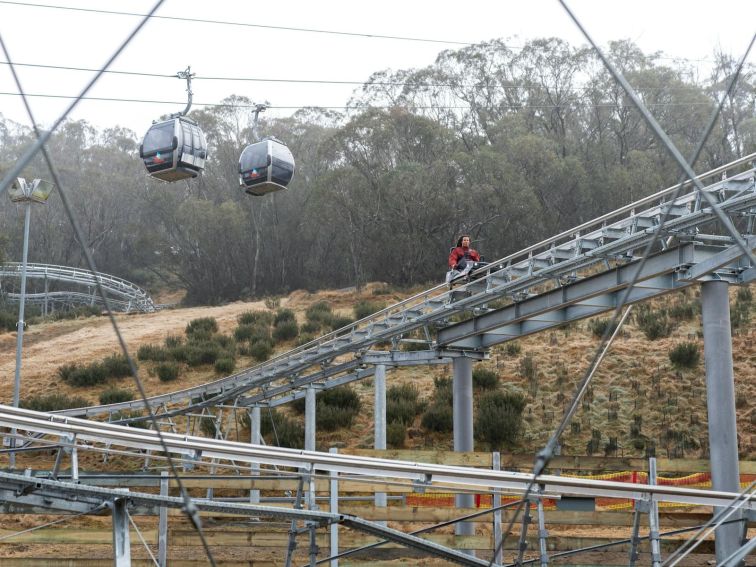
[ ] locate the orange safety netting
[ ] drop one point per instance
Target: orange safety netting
(697, 480)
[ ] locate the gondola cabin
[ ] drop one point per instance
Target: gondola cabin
(174, 149)
(265, 167)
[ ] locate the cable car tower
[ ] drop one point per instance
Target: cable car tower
(175, 149)
(266, 165)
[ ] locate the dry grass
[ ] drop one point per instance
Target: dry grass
(636, 380)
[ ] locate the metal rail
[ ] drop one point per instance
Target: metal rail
(205, 451)
(134, 295)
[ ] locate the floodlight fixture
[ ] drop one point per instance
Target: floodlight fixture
(38, 191)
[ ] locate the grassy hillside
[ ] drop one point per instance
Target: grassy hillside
(640, 402)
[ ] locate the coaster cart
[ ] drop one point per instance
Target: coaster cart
(459, 277)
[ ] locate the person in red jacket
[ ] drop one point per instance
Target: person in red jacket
(462, 253)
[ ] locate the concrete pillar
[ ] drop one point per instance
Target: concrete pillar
(379, 383)
(463, 427)
(720, 401)
(254, 438)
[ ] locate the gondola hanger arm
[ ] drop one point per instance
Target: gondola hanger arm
(187, 75)
(259, 107)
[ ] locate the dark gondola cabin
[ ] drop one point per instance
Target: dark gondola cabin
(174, 149)
(265, 166)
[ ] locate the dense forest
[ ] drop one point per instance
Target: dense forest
(508, 145)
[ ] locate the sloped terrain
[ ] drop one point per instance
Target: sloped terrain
(638, 402)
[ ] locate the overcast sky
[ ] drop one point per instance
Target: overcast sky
(691, 29)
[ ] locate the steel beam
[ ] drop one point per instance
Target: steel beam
(720, 403)
(578, 300)
(163, 523)
(121, 539)
(255, 439)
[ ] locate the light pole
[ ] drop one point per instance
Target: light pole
(38, 191)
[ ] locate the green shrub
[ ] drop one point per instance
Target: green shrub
(152, 352)
(499, 419)
(683, 311)
(173, 341)
(284, 315)
(207, 426)
(402, 392)
(396, 432)
(261, 350)
(684, 355)
(225, 365)
(513, 348)
(330, 418)
(654, 324)
(285, 331)
(260, 333)
(198, 354)
(438, 417)
(202, 326)
(339, 322)
(485, 379)
(8, 321)
(744, 295)
(442, 391)
(304, 338)
(89, 375)
(117, 366)
(401, 410)
(244, 332)
(53, 402)
(298, 405)
(264, 318)
(320, 314)
(600, 327)
(226, 343)
(528, 368)
(740, 314)
(167, 371)
(179, 353)
(65, 371)
(402, 404)
(310, 327)
(281, 430)
(115, 396)
(343, 397)
(366, 308)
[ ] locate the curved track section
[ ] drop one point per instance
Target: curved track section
(125, 295)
